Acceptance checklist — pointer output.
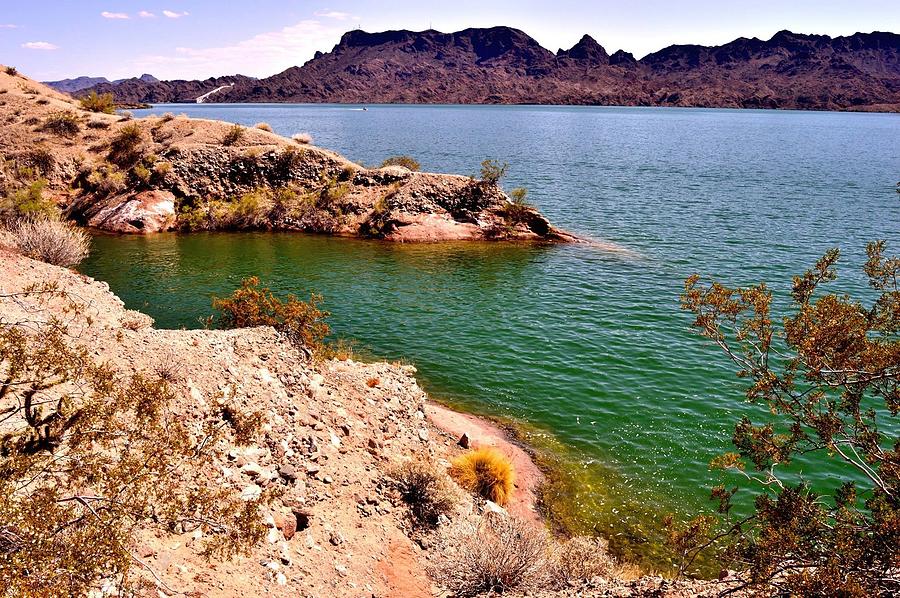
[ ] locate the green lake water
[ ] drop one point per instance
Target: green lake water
(586, 349)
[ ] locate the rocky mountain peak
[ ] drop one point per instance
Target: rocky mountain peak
(588, 50)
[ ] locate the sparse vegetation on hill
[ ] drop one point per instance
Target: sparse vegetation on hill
(88, 456)
(64, 124)
(233, 135)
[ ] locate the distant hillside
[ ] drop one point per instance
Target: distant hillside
(502, 65)
(80, 83)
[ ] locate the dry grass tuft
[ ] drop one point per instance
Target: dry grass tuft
(487, 472)
(407, 162)
(373, 382)
(263, 127)
(500, 554)
(302, 138)
(52, 241)
(64, 124)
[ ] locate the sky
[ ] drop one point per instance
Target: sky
(196, 39)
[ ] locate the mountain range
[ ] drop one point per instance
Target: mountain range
(502, 65)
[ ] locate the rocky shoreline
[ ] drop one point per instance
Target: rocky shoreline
(140, 176)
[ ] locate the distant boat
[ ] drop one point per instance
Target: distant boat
(365, 109)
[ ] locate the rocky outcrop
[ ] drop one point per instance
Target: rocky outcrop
(143, 212)
(504, 65)
(165, 173)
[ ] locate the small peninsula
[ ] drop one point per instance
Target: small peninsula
(118, 174)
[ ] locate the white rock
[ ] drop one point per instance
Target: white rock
(280, 579)
(251, 492)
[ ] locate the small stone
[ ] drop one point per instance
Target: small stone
(464, 441)
(273, 536)
(252, 469)
(302, 517)
(288, 472)
(336, 538)
(341, 569)
(334, 439)
(423, 435)
(281, 579)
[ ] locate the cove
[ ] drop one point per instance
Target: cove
(586, 349)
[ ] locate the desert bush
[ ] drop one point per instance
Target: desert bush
(828, 373)
(486, 472)
(98, 102)
(302, 138)
(64, 124)
(106, 180)
(492, 171)
(142, 174)
(234, 135)
(263, 127)
(515, 211)
(302, 322)
(126, 147)
(28, 204)
(500, 554)
(97, 124)
(578, 560)
(424, 489)
(52, 241)
(126, 116)
(94, 457)
(11, 71)
(40, 158)
(168, 116)
(405, 161)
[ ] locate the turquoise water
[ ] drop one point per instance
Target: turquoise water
(587, 347)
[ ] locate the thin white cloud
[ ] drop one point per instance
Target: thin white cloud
(333, 14)
(146, 14)
(114, 15)
(261, 55)
(175, 15)
(40, 46)
(8, 26)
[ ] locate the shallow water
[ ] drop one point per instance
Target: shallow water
(587, 347)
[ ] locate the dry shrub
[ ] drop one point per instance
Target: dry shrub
(104, 181)
(90, 459)
(302, 138)
(98, 124)
(407, 162)
(11, 71)
(98, 102)
(263, 127)
(500, 554)
(486, 472)
(52, 241)
(234, 135)
(373, 382)
(125, 149)
(251, 305)
(64, 124)
(426, 490)
(168, 116)
(579, 560)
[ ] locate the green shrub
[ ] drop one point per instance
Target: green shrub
(303, 323)
(28, 203)
(492, 171)
(64, 124)
(405, 161)
(98, 102)
(104, 181)
(515, 211)
(234, 135)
